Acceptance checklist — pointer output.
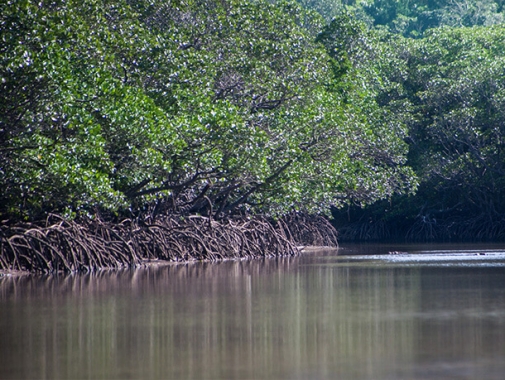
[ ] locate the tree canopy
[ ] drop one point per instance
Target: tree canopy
(448, 88)
(413, 18)
(204, 106)
(229, 107)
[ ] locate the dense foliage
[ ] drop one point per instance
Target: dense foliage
(451, 93)
(446, 85)
(222, 107)
(205, 106)
(413, 18)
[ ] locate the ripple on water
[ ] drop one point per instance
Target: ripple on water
(439, 258)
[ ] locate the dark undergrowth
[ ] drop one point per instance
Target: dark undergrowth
(423, 228)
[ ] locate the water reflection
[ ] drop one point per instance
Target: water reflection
(289, 318)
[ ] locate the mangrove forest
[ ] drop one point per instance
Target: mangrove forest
(134, 131)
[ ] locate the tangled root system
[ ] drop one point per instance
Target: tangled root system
(303, 230)
(61, 245)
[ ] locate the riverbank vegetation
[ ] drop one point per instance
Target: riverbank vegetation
(62, 245)
(451, 95)
(150, 110)
(185, 115)
(448, 89)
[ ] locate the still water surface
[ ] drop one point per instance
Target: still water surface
(429, 312)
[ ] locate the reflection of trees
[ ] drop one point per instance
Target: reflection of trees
(300, 317)
(268, 315)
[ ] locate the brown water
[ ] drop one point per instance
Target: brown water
(430, 313)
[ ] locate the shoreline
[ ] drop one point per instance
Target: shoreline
(59, 245)
(157, 263)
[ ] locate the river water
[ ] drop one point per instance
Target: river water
(427, 312)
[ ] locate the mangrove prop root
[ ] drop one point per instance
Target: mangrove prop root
(60, 245)
(305, 230)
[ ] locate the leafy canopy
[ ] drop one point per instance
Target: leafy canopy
(201, 106)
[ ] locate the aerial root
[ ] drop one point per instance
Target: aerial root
(61, 245)
(304, 230)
